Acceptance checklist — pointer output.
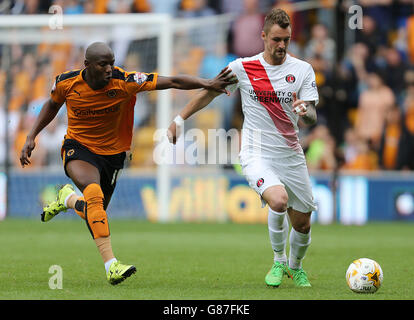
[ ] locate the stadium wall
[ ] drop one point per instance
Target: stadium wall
(222, 197)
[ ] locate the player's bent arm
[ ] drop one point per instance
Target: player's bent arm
(46, 115)
(310, 117)
(201, 100)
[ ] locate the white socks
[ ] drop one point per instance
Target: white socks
(278, 233)
(299, 243)
(108, 264)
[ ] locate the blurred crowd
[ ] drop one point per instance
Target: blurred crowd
(365, 77)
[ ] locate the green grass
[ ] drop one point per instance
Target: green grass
(196, 261)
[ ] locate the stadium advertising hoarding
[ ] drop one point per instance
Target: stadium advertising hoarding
(226, 197)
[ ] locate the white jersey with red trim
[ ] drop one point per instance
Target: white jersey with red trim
(270, 127)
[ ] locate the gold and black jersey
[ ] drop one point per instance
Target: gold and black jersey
(101, 120)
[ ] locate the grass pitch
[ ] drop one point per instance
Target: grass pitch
(196, 261)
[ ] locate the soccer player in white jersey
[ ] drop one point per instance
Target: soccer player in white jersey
(276, 89)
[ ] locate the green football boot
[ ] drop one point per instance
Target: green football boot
(299, 277)
(57, 206)
(275, 274)
(118, 272)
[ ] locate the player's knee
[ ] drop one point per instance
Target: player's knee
(302, 227)
(279, 203)
(83, 182)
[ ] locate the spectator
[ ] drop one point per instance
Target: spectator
(381, 11)
(72, 7)
(396, 142)
(394, 71)
(195, 8)
(358, 63)
(141, 6)
(363, 157)
(370, 35)
(326, 14)
(321, 45)
(247, 29)
(336, 99)
(408, 101)
(25, 7)
(232, 6)
(410, 38)
(348, 148)
(320, 149)
(165, 6)
(236, 7)
(372, 107)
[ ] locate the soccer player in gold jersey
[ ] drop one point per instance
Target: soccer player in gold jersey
(100, 100)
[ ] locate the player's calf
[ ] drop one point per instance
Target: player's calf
(95, 215)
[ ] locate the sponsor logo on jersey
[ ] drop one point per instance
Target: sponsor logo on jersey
(92, 112)
(290, 78)
(271, 96)
(140, 78)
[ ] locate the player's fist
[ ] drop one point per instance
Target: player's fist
(298, 106)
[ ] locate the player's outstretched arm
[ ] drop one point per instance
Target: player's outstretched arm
(46, 115)
(185, 82)
(200, 100)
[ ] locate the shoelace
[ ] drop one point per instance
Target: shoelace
(278, 267)
(300, 276)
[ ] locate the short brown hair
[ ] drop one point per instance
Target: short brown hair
(276, 16)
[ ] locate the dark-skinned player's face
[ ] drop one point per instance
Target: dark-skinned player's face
(101, 68)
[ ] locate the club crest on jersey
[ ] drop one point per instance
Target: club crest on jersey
(111, 93)
(290, 78)
(259, 182)
(140, 78)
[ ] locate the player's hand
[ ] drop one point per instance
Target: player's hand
(298, 106)
(222, 80)
(172, 133)
(175, 129)
(27, 151)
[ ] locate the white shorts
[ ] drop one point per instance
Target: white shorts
(290, 172)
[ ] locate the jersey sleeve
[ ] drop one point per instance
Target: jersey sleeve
(308, 90)
(234, 66)
(140, 81)
(58, 92)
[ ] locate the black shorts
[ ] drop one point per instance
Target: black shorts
(108, 165)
